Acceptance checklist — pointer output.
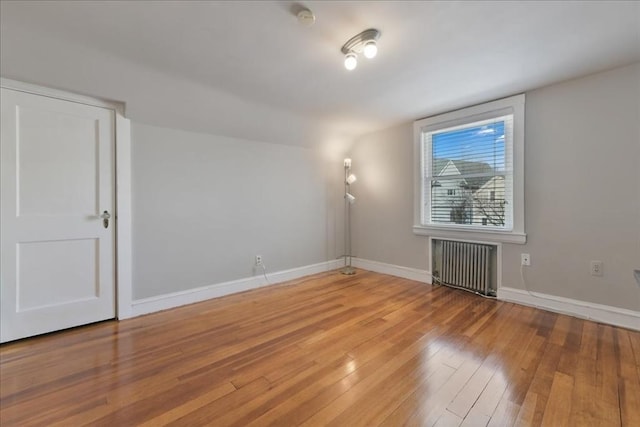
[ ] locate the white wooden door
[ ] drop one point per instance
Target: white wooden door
(57, 178)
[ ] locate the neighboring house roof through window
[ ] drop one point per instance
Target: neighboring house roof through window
(465, 167)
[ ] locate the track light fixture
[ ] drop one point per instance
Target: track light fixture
(364, 43)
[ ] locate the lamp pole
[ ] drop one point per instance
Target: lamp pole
(348, 269)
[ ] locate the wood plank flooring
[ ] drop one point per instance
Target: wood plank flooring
(329, 349)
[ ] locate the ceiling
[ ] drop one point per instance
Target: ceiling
(250, 70)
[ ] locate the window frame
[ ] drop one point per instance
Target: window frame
(514, 105)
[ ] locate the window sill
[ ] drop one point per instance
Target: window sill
(471, 234)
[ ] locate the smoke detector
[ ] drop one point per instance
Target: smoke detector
(306, 17)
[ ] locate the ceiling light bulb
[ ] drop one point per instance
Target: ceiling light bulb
(347, 163)
(350, 61)
(370, 49)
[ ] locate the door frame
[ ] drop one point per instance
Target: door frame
(122, 185)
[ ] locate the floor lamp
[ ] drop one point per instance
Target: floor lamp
(349, 179)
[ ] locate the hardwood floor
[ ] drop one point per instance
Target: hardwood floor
(329, 349)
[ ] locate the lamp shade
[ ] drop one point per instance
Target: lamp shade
(350, 198)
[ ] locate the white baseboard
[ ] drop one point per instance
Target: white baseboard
(393, 270)
(600, 313)
(176, 299)
(586, 310)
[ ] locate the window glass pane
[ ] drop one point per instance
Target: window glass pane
(476, 149)
(470, 179)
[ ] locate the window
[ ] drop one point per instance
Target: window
(470, 172)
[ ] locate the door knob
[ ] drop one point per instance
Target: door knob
(105, 218)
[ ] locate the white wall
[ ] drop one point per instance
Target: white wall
(382, 217)
(205, 205)
(582, 189)
(582, 192)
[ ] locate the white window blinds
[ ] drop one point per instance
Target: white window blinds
(468, 174)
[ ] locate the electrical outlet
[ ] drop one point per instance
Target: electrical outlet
(525, 259)
(258, 259)
(596, 268)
